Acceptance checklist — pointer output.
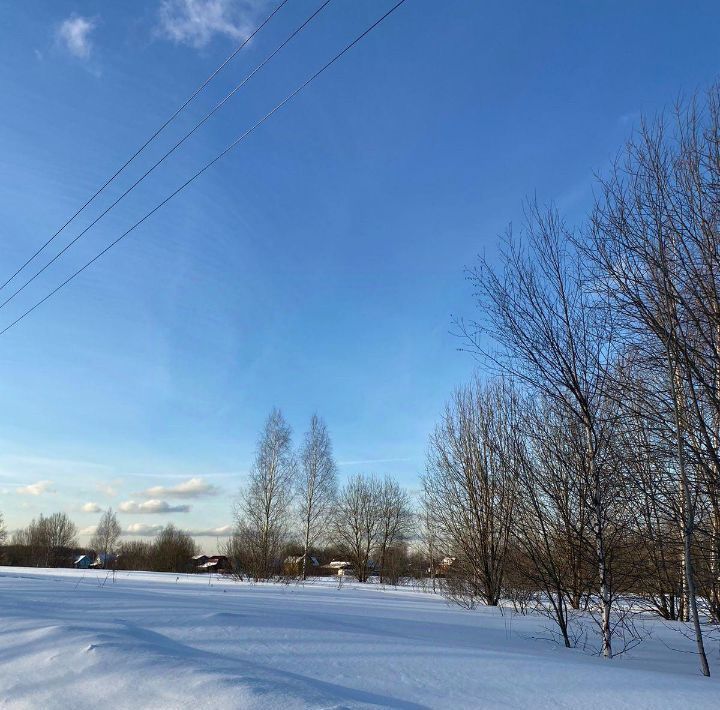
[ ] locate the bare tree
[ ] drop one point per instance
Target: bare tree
(357, 522)
(47, 539)
(396, 523)
(106, 535)
(135, 555)
(654, 242)
(172, 550)
(316, 485)
(430, 540)
(551, 522)
(3, 530)
(555, 336)
(470, 486)
(264, 508)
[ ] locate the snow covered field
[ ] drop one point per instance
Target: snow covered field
(163, 641)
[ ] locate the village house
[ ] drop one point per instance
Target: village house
(443, 567)
(213, 563)
(293, 565)
(338, 567)
(199, 560)
(104, 560)
(83, 562)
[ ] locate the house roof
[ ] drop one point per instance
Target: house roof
(297, 559)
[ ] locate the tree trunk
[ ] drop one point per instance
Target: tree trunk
(688, 523)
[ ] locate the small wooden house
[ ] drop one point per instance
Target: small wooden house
(293, 565)
(198, 560)
(338, 567)
(83, 562)
(443, 567)
(215, 563)
(104, 560)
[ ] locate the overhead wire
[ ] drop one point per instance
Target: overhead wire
(177, 112)
(166, 155)
(207, 165)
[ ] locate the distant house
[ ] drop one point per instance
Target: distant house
(199, 560)
(293, 565)
(214, 563)
(338, 567)
(443, 567)
(83, 562)
(104, 560)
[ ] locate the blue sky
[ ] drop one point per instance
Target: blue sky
(317, 267)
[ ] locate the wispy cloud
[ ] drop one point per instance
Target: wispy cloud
(150, 529)
(192, 488)
(152, 507)
(74, 34)
(35, 489)
(196, 22)
(107, 489)
(142, 529)
(630, 118)
(90, 530)
(91, 508)
(222, 531)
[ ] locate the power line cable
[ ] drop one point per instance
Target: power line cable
(207, 165)
(200, 123)
(149, 140)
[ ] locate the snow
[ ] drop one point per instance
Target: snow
(73, 638)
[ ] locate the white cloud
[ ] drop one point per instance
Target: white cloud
(222, 531)
(74, 34)
(35, 489)
(89, 530)
(192, 488)
(142, 529)
(106, 489)
(152, 506)
(91, 508)
(154, 529)
(196, 22)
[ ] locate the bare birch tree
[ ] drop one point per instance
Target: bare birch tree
(316, 485)
(654, 240)
(263, 511)
(106, 535)
(555, 336)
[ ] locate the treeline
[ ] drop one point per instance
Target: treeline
(52, 541)
(171, 550)
(48, 541)
(292, 504)
(589, 467)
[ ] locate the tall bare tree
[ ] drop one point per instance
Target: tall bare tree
(106, 535)
(470, 486)
(654, 242)
(554, 335)
(396, 522)
(357, 522)
(263, 511)
(316, 485)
